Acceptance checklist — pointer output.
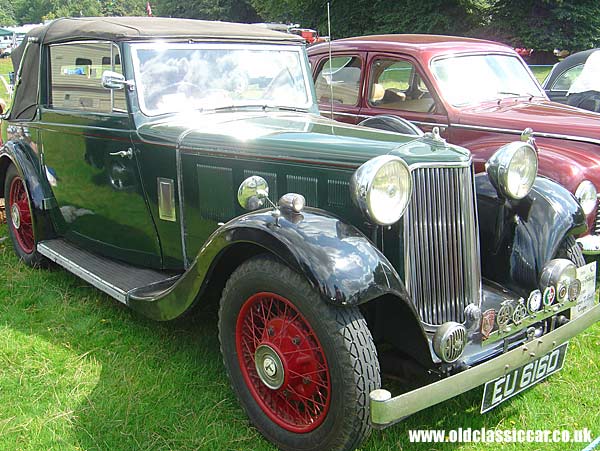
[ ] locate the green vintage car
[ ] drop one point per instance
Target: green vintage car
(167, 161)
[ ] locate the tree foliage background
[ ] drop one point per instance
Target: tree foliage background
(538, 24)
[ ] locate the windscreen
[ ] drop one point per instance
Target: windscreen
(175, 77)
(473, 79)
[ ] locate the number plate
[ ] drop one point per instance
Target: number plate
(587, 298)
(499, 390)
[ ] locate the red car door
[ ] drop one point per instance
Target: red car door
(339, 85)
(396, 85)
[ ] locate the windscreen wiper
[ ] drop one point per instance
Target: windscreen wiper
(261, 106)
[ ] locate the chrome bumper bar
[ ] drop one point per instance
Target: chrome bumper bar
(386, 410)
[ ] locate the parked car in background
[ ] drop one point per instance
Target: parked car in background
(309, 35)
(186, 159)
(523, 52)
(5, 53)
(480, 94)
(564, 74)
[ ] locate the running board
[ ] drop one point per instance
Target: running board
(117, 279)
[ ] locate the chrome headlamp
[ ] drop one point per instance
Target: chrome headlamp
(381, 188)
(512, 169)
(586, 196)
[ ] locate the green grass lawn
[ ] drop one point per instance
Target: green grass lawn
(79, 371)
(5, 68)
(540, 72)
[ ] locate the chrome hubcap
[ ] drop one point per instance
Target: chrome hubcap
(269, 367)
(16, 216)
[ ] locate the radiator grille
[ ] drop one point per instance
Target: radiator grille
(441, 244)
(597, 225)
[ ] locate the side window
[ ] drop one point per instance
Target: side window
(76, 77)
(395, 84)
(342, 77)
(564, 81)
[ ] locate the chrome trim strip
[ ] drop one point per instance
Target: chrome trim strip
(386, 410)
(535, 134)
(83, 273)
(452, 164)
(328, 114)
(476, 245)
(20, 70)
(431, 124)
(186, 262)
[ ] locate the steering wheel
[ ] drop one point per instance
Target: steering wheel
(422, 94)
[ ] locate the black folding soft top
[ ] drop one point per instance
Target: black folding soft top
(120, 29)
(570, 61)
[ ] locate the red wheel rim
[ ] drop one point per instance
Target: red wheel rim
(20, 213)
(298, 398)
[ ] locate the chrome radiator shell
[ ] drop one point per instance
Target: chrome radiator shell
(441, 243)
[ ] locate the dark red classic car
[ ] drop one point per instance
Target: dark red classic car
(479, 93)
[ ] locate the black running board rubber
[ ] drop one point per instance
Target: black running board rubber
(115, 278)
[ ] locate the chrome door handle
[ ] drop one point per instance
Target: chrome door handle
(123, 153)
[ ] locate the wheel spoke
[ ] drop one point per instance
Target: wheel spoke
(312, 381)
(292, 411)
(309, 373)
(273, 324)
(305, 397)
(250, 351)
(295, 351)
(285, 328)
(22, 226)
(252, 337)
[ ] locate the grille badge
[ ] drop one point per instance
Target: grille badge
(487, 323)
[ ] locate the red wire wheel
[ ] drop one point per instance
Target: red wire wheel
(282, 362)
(20, 215)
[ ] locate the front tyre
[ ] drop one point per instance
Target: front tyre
(570, 250)
(302, 369)
(19, 218)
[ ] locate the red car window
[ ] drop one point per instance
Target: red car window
(342, 79)
(395, 84)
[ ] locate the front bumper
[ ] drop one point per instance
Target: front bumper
(386, 410)
(590, 244)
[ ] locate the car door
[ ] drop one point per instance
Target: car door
(395, 85)
(89, 156)
(338, 85)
